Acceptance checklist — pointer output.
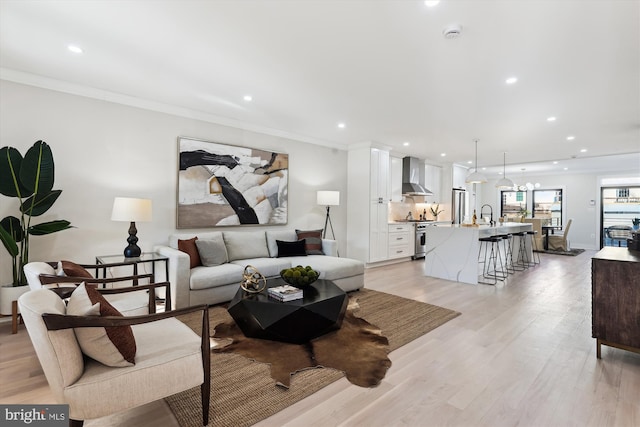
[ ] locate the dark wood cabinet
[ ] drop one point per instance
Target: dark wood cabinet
(615, 293)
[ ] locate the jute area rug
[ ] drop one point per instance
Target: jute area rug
(243, 391)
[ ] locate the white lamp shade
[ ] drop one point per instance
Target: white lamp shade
(505, 183)
(328, 198)
(475, 178)
(131, 209)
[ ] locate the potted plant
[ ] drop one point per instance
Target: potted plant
(636, 223)
(30, 180)
(435, 211)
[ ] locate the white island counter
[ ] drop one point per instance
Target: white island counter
(452, 251)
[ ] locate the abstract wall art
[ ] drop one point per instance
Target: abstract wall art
(229, 185)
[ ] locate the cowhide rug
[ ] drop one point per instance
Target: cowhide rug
(358, 349)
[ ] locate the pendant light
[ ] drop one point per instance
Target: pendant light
(476, 177)
(504, 183)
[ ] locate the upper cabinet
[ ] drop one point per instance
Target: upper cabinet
(433, 182)
(459, 176)
(396, 179)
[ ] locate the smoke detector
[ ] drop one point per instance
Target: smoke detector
(452, 31)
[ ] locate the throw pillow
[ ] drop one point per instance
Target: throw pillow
(189, 247)
(286, 249)
(212, 251)
(313, 240)
(74, 270)
(111, 346)
(245, 244)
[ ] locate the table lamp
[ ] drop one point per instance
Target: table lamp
(132, 210)
(328, 199)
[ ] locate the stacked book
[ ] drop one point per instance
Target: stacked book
(285, 293)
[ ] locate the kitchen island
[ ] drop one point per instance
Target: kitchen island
(452, 250)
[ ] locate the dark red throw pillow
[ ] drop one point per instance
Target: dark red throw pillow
(313, 241)
(74, 270)
(189, 247)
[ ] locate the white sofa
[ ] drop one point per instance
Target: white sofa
(219, 283)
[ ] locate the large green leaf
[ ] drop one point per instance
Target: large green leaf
(39, 203)
(37, 170)
(12, 225)
(49, 227)
(10, 164)
(9, 242)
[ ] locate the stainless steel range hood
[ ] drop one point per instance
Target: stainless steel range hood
(413, 177)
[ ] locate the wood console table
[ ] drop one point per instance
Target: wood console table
(615, 294)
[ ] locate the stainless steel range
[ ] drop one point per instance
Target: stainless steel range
(421, 239)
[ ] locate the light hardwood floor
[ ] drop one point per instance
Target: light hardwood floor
(521, 354)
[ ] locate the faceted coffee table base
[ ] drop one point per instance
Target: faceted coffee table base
(320, 311)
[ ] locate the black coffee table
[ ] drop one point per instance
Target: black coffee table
(320, 310)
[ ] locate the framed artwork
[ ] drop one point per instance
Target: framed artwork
(229, 185)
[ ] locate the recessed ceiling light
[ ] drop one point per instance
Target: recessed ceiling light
(470, 162)
(406, 143)
(248, 98)
(584, 150)
(511, 80)
(566, 169)
(74, 48)
(484, 169)
(341, 125)
(555, 162)
(443, 154)
(431, 3)
(551, 119)
(571, 138)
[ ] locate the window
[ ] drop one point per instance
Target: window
(513, 203)
(547, 204)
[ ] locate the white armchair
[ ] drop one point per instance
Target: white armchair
(170, 358)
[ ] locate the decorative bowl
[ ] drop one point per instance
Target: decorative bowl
(299, 276)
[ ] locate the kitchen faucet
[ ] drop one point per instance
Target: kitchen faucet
(490, 213)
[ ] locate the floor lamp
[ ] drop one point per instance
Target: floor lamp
(328, 199)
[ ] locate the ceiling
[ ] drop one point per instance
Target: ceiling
(383, 68)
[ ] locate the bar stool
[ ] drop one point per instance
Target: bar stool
(510, 266)
(534, 246)
(491, 254)
(523, 255)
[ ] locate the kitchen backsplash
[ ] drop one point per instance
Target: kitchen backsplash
(398, 211)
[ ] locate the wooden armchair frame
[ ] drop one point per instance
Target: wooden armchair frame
(58, 321)
(65, 292)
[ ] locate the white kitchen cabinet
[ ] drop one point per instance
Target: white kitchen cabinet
(369, 193)
(459, 176)
(401, 241)
(433, 182)
(396, 178)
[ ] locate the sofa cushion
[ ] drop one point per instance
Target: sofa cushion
(329, 267)
(273, 235)
(313, 240)
(211, 277)
(245, 244)
(112, 346)
(189, 247)
(296, 248)
(268, 267)
(212, 251)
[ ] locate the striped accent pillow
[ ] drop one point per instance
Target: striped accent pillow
(313, 239)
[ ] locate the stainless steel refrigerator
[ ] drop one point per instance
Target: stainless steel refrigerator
(458, 205)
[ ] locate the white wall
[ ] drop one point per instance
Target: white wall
(103, 149)
(578, 191)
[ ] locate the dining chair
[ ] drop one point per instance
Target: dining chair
(559, 242)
